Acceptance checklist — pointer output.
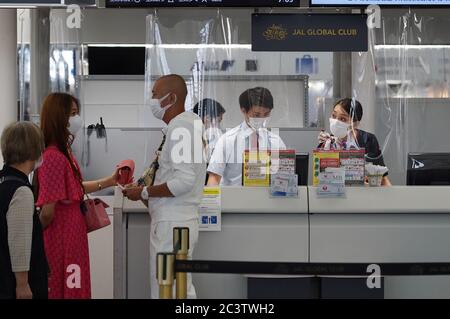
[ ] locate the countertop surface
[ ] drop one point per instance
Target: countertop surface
(394, 199)
(240, 200)
(367, 200)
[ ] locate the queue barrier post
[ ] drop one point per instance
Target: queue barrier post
(165, 274)
(181, 249)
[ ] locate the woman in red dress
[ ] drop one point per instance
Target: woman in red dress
(60, 197)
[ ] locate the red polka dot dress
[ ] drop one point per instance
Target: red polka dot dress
(65, 239)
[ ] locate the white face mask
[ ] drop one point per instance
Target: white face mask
(38, 163)
(258, 122)
(75, 124)
(338, 128)
(157, 110)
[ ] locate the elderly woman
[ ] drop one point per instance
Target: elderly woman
(23, 265)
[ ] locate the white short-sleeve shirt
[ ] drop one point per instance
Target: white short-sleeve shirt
(226, 160)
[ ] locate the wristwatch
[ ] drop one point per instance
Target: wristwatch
(144, 193)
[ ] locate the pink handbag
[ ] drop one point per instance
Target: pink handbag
(95, 215)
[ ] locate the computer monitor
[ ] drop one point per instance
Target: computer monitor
(302, 168)
(428, 169)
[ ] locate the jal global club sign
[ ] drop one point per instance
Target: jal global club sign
(325, 32)
(309, 32)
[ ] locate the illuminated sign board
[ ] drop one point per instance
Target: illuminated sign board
(309, 32)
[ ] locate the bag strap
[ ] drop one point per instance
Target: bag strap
(162, 143)
(77, 174)
(35, 184)
(155, 162)
(10, 178)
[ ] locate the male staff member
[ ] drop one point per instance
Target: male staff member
(174, 198)
(225, 165)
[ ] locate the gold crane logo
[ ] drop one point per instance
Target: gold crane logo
(275, 32)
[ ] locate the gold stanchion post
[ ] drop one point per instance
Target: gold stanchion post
(165, 274)
(181, 249)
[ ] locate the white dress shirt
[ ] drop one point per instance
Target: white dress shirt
(212, 135)
(226, 160)
(182, 166)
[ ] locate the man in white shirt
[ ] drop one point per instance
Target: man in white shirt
(225, 165)
(176, 193)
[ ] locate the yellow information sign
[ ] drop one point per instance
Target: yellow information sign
(210, 216)
(256, 168)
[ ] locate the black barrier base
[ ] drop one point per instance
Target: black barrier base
(283, 288)
(349, 288)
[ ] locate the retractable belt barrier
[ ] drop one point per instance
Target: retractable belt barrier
(175, 265)
(311, 269)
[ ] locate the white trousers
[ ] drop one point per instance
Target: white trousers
(161, 241)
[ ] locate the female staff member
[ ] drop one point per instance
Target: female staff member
(23, 265)
(211, 112)
(345, 118)
(60, 196)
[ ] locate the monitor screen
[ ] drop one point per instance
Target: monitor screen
(302, 168)
(392, 3)
(428, 169)
(116, 60)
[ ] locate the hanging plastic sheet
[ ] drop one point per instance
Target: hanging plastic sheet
(65, 68)
(53, 68)
(402, 84)
(211, 49)
(24, 64)
(33, 34)
(65, 49)
(36, 27)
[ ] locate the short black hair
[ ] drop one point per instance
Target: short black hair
(352, 107)
(208, 108)
(257, 96)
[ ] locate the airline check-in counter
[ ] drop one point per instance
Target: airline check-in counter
(382, 225)
(255, 227)
(379, 225)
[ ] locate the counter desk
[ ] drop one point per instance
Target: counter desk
(255, 227)
(385, 224)
(395, 224)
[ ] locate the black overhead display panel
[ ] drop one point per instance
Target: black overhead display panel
(44, 3)
(200, 3)
(382, 3)
(29, 2)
